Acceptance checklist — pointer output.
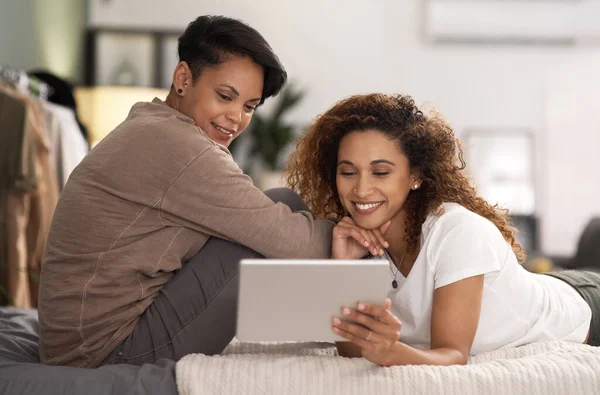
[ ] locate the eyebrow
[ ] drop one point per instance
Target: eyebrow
(236, 92)
(375, 162)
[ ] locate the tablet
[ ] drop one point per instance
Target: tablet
(295, 300)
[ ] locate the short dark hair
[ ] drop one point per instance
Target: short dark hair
(209, 40)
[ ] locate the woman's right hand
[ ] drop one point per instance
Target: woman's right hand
(352, 242)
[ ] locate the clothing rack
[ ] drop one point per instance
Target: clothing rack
(20, 80)
(40, 144)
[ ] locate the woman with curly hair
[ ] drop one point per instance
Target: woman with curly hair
(388, 171)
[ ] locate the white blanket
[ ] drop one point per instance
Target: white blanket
(313, 368)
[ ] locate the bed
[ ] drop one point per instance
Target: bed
(21, 372)
(551, 368)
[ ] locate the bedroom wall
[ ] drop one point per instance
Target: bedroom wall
(335, 49)
(43, 34)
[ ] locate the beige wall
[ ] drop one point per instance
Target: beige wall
(334, 49)
(43, 34)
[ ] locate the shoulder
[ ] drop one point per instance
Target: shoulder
(462, 244)
(155, 129)
(158, 143)
(453, 218)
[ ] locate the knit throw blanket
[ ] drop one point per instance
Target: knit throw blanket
(314, 368)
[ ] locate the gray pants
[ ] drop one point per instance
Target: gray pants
(195, 312)
(587, 283)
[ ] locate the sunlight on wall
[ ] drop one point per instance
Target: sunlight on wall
(59, 29)
(103, 108)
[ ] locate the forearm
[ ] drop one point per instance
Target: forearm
(403, 354)
(214, 197)
(276, 232)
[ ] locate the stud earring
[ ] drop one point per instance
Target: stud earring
(180, 91)
(416, 186)
(354, 190)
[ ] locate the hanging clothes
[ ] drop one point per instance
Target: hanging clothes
(12, 119)
(54, 136)
(41, 143)
(61, 94)
(71, 146)
(30, 195)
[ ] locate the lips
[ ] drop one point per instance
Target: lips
(225, 131)
(366, 207)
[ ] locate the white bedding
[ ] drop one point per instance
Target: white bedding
(313, 368)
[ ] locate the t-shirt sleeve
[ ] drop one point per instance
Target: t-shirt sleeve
(465, 246)
(212, 195)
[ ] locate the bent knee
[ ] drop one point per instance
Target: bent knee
(287, 197)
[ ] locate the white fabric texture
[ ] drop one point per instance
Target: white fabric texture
(518, 307)
(549, 368)
(72, 146)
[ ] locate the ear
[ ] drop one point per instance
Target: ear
(415, 180)
(181, 77)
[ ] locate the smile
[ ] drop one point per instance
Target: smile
(226, 132)
(367, 208)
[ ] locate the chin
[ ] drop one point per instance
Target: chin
(219, 139)
(368, 223)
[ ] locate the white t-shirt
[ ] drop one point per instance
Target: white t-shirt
(518, 306)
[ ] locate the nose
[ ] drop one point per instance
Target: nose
(235, 115)
(363, 187)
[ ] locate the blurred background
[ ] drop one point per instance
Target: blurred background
(519, 80)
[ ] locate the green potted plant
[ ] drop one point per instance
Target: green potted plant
(267, 137)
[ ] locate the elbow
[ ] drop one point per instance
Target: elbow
(448, 356)
(451, 354)
(459, 357)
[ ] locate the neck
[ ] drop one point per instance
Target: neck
(395, 237)
(172, 101)
(403, 259)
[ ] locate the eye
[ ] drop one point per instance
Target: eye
(347, 173)
(381, 173)
(250, 108)
(224, 97)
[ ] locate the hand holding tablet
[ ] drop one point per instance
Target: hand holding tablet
(295, 300)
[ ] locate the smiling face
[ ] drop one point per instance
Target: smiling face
(223, 98)
(373, 178)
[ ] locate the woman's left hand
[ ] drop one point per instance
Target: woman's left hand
(373, 328)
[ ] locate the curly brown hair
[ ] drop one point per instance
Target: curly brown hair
(427, 141)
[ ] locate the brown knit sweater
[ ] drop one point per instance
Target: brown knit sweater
(141, 204)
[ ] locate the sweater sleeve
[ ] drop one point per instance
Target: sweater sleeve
(212, 195)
